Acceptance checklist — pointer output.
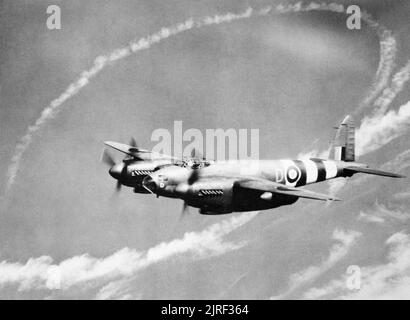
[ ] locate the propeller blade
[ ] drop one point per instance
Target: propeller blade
(196, 154)
(107, 158)
(124, 170)
(193, 177)
(133, 143)
(134, 148)
(185, 211)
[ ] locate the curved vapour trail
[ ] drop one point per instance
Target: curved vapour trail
(388, 46)
(145, 43)
(396, 86)
(99, 64)
(388, 51)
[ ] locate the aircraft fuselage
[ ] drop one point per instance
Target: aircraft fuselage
(216, 191)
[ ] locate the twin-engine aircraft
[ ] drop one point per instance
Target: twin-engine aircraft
(220, 187)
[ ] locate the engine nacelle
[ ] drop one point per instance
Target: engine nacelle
(136, 171)
(213, 197)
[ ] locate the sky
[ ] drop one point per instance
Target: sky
(65, 234)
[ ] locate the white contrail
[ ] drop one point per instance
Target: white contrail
(145, 43)
(388, 51)
(388, 45)
(41, 273)
(99, 64)
(396, 86)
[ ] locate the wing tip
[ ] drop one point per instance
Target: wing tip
(331, 199)
(399, 176)
(347, 119)
(108, 143)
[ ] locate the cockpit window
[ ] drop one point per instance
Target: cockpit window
(162, 178)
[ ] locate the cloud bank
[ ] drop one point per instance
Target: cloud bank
(390, 280)
(345, 240)
(42, 274)
(380, 213)
(378, 130)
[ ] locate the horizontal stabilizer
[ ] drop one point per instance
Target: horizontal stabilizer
(353, 170)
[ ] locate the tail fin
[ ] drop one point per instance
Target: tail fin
(343, 145)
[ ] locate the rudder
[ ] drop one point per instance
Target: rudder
(343, 145)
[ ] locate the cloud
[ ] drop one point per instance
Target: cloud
(320, 293)
(382, 127)
(369, 218)
(233, 285)
(402, 196)
(37, 272)
(388, 52)
(116, 290)
(379, 129)
(380, 213)
(313, 154)
(398, 164)
(374, 132)
(396, 86)
(336, 185)
(41, 273)
(390, 280)
(101, 62)
(345, 240)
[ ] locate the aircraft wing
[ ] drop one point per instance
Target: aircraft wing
(134, 151)
(277, 188)
(129, 150)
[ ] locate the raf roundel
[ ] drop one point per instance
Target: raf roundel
(292, 174)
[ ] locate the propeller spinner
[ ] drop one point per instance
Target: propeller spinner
(118, 170)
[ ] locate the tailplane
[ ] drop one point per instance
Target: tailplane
(343, 149)
(349, 171)
(343, 145)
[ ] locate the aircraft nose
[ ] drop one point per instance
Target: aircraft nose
(149, 184)
(116, 170)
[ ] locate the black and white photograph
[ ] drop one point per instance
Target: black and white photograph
(210, 150)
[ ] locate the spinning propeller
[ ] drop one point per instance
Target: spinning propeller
(107, 158)
(193, 177)
(119, 170)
